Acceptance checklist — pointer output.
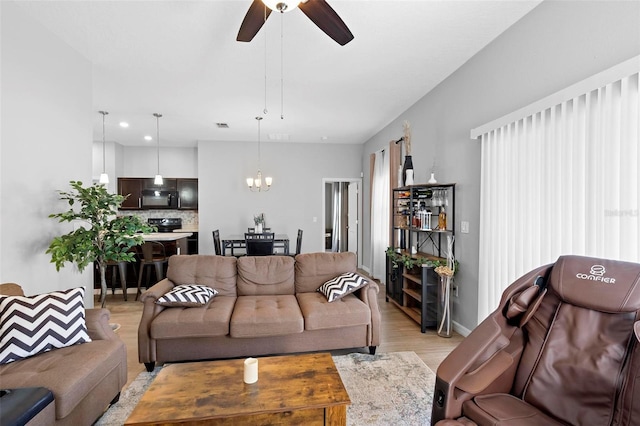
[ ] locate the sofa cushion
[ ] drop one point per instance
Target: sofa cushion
(186, 295)
(314, 269)
(37, 324)
(342, 285)
(217, 272)
(205, 321)
(265, 275)
(263, 316)
(319, 314)
(71, 373)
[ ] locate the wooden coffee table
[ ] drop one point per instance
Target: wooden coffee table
(295, 389)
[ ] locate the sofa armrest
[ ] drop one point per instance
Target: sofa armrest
(369, 295)
(147, 345)
(157, 291)
(98, 328)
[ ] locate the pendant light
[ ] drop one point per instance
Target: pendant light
(104, 177)
(158, 179)
(255, 184)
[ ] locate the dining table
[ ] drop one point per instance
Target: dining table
(236, 241)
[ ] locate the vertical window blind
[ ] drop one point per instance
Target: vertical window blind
(560, 180)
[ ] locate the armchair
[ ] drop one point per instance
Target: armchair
(561, 349)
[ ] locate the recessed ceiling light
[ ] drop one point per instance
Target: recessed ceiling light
(148, 138)
(324, 138)
(124, 124)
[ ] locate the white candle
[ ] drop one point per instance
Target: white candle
(250, 370)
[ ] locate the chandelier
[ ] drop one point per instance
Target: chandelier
(256, 184)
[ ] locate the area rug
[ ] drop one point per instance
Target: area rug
(386, 389)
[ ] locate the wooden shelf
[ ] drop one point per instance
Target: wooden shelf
(413, 278)
(414, 294)
(415, 291)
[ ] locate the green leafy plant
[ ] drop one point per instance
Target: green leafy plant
(411, 262)
(106, 238)
(258, 219)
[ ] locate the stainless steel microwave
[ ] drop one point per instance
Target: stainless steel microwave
(159, 199)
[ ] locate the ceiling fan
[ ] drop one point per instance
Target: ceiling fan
(318, 11)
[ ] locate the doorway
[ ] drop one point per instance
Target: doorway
(341, 215)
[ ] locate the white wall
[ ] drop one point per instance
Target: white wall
(46, 141)
(174, 162)
(295, 199)
(557, 44)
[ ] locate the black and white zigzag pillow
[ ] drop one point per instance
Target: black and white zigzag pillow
(338, 287)
(187, 295)
(36, 324)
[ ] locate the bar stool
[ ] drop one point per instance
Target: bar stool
(118, 269)
(151, 253)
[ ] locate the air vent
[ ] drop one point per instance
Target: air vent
(222, 125)
(278, 137)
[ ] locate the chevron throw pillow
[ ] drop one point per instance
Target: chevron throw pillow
(187, 295)
(36, 324)
(338, 287)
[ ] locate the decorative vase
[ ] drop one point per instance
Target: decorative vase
(444, 308)
(259, 228)
(432, 179)
(409, 179)
(408, 165)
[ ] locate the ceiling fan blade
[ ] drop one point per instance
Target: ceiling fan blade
(253, 21)
(327, 20)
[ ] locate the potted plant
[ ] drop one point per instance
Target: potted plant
(409, 262)
(258, 220)
(107, 238)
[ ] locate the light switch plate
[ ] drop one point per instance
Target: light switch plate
(464, 227)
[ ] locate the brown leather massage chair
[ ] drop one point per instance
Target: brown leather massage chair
(562, 349)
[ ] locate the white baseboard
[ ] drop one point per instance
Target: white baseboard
(463, 331)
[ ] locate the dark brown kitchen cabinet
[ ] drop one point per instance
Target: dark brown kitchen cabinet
(188, 194)
(168, 184)
(133, 188)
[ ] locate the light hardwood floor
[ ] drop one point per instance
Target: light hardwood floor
(399, 332)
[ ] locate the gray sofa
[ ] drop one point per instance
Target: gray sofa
(83, 378)
(266, 305)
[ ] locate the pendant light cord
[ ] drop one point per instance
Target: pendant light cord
(104, 151)
(158, 138)
(259, 151)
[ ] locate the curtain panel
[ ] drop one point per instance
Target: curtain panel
(563, 180)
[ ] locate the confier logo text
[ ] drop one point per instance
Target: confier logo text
(596, 274)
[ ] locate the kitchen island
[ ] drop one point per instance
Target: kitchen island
(174, 242)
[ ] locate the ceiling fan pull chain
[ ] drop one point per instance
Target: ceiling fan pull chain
(265, 63)
(281, 66)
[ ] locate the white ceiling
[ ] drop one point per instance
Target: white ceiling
(180, 58)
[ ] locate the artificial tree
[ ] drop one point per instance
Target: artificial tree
(107, 238)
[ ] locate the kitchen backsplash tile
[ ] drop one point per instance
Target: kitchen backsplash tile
(189, 217)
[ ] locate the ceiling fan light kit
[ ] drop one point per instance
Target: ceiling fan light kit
(281, 6)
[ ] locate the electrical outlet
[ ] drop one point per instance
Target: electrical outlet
(455, 291)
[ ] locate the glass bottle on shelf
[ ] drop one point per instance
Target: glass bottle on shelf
(442, 220)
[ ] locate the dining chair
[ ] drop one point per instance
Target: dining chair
(216, 242)
(299, 242)
(151, 253)
(253, 230)
(259, 244)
